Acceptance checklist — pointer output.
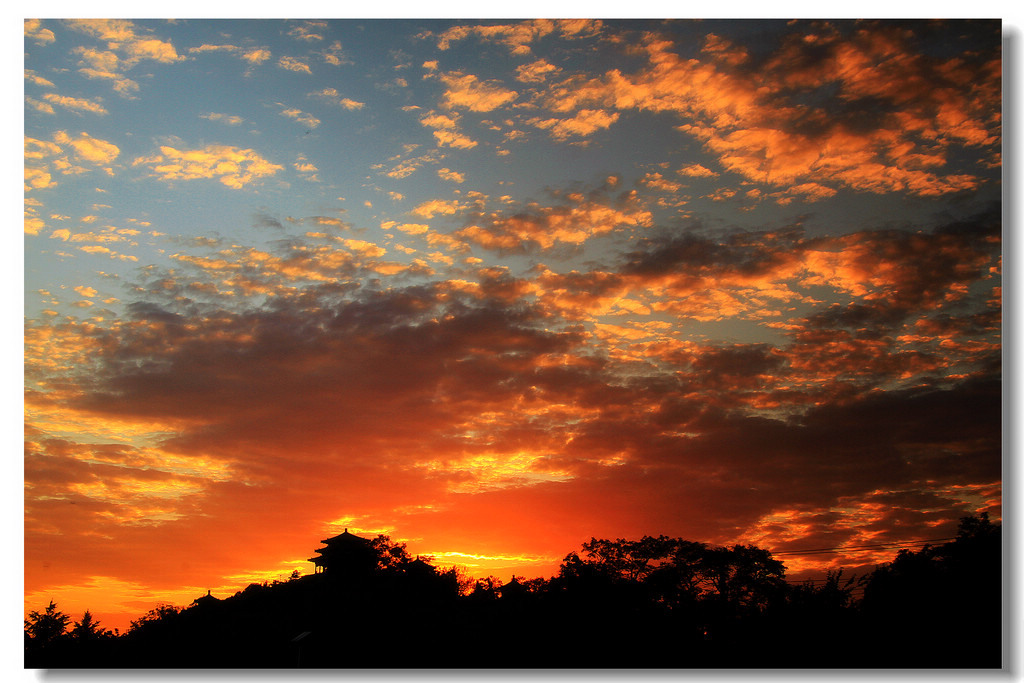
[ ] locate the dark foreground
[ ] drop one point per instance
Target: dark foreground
(653, 603)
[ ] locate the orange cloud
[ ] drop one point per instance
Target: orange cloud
(447, 138)
(75, 103)
(585, 122)
(87, 148)
(433, 207)
(232, 166)
(546, 226)
(657, 181)
(536, 72)
(745, 119)
(122, 37)
(467, 91)
(517, 37)
(34, 29)
(302, 117)
(292, 64)
(696, 171)
(453, 176)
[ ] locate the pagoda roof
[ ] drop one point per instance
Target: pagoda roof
(205, 599)
(345, 537)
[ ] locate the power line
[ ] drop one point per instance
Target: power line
(892, 545)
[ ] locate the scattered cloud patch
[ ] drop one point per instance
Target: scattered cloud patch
(232, 166)
(293, 64)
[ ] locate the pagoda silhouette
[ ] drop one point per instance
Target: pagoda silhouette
(345, 556)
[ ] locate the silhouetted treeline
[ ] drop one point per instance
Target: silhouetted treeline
(655, 602)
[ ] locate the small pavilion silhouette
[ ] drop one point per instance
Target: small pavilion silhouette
(345, 555)
(205, 600)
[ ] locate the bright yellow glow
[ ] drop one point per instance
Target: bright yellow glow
(121, 601)
(280, 573)
(495, 470)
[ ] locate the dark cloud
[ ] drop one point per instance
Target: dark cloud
(732, 365)
(148, 310)
(265, 220)
(370, 366)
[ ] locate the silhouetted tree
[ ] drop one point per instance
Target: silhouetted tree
(821, 616)
(939, 606)
(161, 614)
(449, 579)
(486, 588)
(653, 602)
(629, 560)
(88, 629)
(389, 555)
(464, 583)
(681, 580)
(534, 586)
(44, 628)
(744, 576)
(831, 596)
(676, 572)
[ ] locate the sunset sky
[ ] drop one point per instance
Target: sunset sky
(496, 287)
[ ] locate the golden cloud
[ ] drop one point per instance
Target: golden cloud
(448, 174)
(585, 122)
(517, 37)
(440, 121)
(232, 166)
(292, 64)
(39, 149)
(87, 148)
(433, 207)
(256, 55)
(696, 171)
(746, 120)
(120, 35)
(536, 72)
(34, 30)
(229, 119)
(302, 117)
(37, 179)
(546, 226)
(75, 103)
(467, 91)
(657, 181)
(447, 138)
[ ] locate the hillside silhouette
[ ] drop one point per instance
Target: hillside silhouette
(656, 602)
